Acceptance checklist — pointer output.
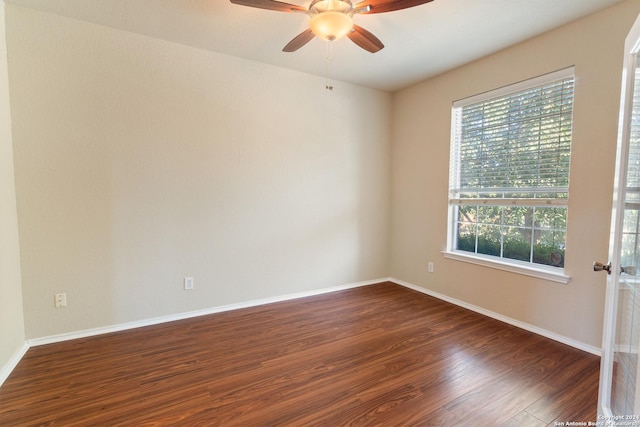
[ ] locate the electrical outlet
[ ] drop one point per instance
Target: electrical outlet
(430, 267)
(188, 283)
(60, 300)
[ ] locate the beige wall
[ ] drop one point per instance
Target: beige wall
(139, 162)
(11, 314)
(420, 159)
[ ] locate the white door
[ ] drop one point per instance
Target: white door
(619, 394)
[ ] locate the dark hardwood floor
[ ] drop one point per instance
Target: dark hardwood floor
(379, 355)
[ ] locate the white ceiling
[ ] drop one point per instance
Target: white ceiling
(419, 42)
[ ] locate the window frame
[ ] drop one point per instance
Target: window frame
(555, 274)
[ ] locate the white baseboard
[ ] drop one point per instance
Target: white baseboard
(181, 316)
(8, 368)
(526, 326)
(13, 362)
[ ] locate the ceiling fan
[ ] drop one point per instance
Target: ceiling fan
(333, 19)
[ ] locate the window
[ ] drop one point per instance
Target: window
(509, 172)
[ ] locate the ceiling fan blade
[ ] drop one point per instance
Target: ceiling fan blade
(365, 39)
(271, 5)
(380, 6)
(299, 41)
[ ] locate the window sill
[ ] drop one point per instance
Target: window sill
(527, 270)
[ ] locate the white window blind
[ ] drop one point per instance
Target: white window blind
(514, 146)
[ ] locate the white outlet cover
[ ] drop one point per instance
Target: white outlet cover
(60, 300)
(188, 283)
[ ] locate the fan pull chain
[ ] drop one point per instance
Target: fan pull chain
(329, 85)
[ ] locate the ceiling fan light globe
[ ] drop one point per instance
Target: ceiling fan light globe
(331, 25)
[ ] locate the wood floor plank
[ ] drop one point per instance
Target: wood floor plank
(375, 355)
(524, 419)
(489, 406)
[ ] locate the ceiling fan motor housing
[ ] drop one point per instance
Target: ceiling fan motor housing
(331, 19)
